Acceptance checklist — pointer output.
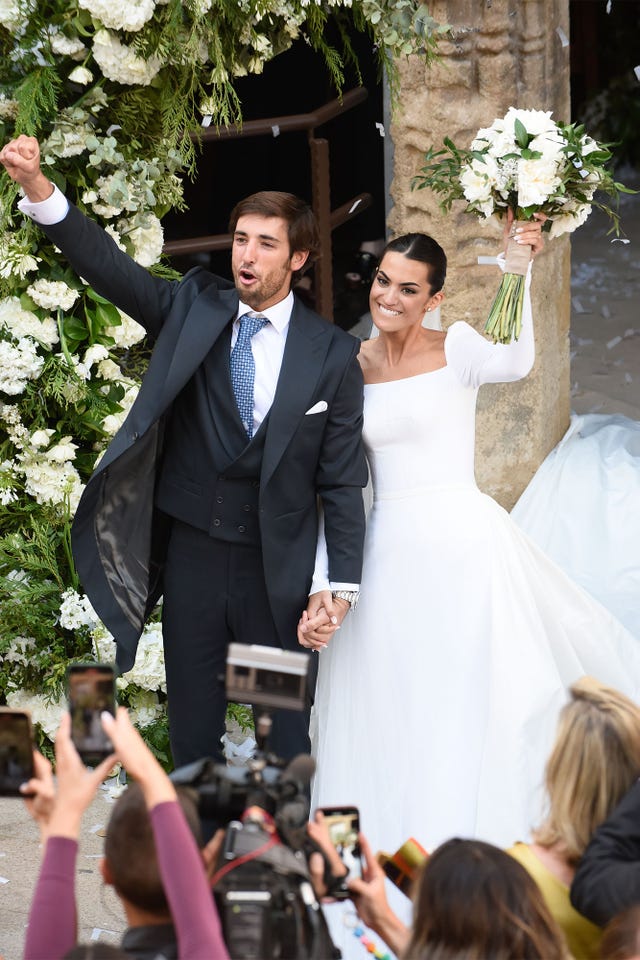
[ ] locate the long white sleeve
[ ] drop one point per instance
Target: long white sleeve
(476, 360)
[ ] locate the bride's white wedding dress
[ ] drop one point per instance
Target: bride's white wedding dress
(437, 700)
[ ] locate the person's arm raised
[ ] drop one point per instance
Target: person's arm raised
(181, 864)
(21, 160)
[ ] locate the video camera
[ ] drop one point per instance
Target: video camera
(262, 886)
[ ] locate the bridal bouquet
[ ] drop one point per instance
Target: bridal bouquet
(528, 163)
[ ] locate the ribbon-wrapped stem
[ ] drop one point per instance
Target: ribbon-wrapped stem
(505, 317)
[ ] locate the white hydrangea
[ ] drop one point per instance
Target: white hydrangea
(120, 64)
(144, 708)
(66, 46)
(23, 323)
(49, 478)
(127, 333)
(115, 236)
(147, 239)
(14, 12)
(148, 671)
(66, 141)
(19, 363)
(128, 15)
(76, 611)
(45, 713)
(51, 294)
(104, 646)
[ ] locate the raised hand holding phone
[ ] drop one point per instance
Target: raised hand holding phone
(91, 692)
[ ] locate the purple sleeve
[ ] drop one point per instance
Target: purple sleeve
(52, 918)
(192, 906)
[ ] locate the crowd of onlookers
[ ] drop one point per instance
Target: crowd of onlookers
(574, 891)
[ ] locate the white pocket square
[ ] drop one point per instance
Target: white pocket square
(318, 407)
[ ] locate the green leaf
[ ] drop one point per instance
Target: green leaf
(521, 135)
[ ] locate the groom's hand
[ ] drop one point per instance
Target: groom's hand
(321, 619)
(21, 160)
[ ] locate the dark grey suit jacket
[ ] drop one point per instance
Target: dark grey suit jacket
(117, 534)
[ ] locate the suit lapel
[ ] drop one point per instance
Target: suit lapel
(307, 344)
(209, 314)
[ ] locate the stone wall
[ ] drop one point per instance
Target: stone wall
(506, 53)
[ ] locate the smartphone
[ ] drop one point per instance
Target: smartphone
(343, 824)
(91, 690)
(16, 751)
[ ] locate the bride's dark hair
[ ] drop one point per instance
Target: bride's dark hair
(424, 249)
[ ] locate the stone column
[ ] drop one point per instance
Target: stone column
(506, 53)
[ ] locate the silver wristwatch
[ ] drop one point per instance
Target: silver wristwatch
(351, 596)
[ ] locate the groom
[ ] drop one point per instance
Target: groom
(248, 417)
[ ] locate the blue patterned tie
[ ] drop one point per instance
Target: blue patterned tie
(243, 368)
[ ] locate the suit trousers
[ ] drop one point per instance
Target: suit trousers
(215, 594)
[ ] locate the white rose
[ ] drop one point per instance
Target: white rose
(537, 179)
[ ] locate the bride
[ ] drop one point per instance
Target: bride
(438, 698)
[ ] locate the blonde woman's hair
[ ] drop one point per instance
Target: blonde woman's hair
(594, 761)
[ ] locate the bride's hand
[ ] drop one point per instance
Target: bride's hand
(527, 233)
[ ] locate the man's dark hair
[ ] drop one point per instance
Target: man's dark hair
(301, 221)
(130, 851)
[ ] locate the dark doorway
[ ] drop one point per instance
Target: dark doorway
(605, 88)
(296, 82)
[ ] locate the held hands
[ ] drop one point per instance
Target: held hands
(21, 160)
(321, 619)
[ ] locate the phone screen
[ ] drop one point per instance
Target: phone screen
(91, 691)
(16, 751)
(343, 824)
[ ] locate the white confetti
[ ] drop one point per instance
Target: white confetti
(96, 827)
(636, 70)
(354, 205)
(629, 333)
(564, 40)
(608, 6)
(584, 341)
(380, 129)
(206, 121)
(604, 310)
(487, 261)
(620, 240)
(95, 933)
(577, 305)
(275, 130)
(628, 378)
(4, 880)
(613, 343)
